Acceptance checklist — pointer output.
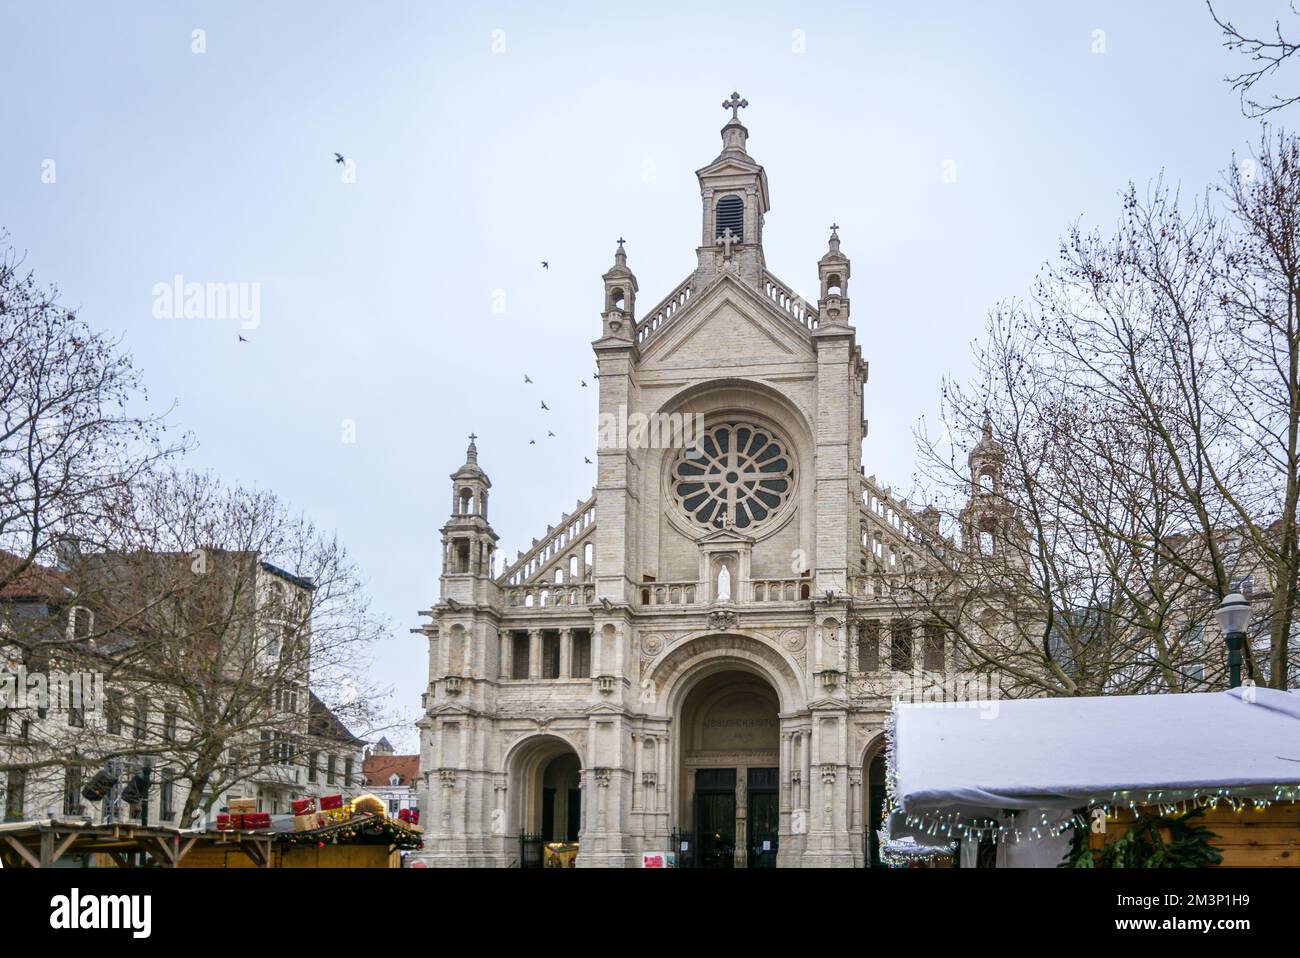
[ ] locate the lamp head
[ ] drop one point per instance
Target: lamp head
(1233, 613)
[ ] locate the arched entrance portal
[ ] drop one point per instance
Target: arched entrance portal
(546, 794)
(729, 767)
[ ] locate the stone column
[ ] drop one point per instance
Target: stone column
(506, 642)
(786, 757)
(566, 653)
(534, 654)
(638, 750)
(805, 751)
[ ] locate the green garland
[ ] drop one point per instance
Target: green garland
(1144, 845)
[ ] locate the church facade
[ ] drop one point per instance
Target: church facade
(701, 656)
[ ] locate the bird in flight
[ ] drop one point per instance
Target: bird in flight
(338, 158)
(550, 434)
(586, 460)
(546, 407)
(242, 339)
(545, 265)
(595, 375)
(526, 379)
(584, 384)
(532, 442)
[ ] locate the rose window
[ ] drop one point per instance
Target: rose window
(741, 475)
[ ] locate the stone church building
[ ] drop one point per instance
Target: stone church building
(700, 657)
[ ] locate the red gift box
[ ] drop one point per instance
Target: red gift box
(304, 806)
(403, 814)
(330, 803)
(236, 822)
(258, 820)
(223, 823)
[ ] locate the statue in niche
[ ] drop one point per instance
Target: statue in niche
(724, 585)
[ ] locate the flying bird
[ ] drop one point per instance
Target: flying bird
(595, 375)
(550, 434)
(338, 158)
(586, 460)
(584, 384)
(242, 339)
(545, 265)
(546, 407)
(532, 442)
(526, 379)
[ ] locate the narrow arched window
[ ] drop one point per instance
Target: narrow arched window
(730, 213)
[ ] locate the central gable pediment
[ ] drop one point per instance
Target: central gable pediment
(727, 325)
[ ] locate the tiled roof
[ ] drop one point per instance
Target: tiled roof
(378, 769)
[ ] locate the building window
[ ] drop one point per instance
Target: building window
(141, 719)
(169, 723)
(934, 652)
(580, 667)
(739, 475)
(519, 655)
(550, 655)
(329, 770)
(312, 767)
(113, 709)
(869, 646)
(76, 716)
(900, 646)
(166, 798)
(15, 791)
(72, 790)
(730, 212)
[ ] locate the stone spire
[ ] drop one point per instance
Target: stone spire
(734, 134)
(833, 270)
(619, 317)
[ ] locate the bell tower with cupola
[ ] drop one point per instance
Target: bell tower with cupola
(468, 542)
(734, 197)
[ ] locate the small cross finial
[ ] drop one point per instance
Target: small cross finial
(834, 227)
(472, 437)
(735, 104)
(620, 241)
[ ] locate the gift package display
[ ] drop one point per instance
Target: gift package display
(410, 816)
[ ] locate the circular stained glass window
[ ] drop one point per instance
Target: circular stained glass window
(741, 475)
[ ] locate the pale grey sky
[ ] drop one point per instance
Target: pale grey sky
(474, 163)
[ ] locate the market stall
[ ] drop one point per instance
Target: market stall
(1187, 779)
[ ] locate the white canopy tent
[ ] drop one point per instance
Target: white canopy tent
(972, 761)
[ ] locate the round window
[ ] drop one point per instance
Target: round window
(739, 475)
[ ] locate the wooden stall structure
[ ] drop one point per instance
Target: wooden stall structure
(1248, 836)
(369, 841)
(73, 842)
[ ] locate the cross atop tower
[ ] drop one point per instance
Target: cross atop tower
(735, 104)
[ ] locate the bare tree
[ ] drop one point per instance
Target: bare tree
(1266, 54)
(234, 612)
(1146, 403)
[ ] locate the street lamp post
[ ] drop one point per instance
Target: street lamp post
(1233, 615)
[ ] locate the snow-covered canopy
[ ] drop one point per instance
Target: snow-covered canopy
(1060, 753)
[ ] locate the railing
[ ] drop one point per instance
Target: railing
(558, 539)
(550, 596)
(663, 312)
(780, 590)
(794, 305)
(669, 593)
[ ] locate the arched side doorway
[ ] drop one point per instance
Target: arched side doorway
(545, 788)
(729, 770)
(873, 797)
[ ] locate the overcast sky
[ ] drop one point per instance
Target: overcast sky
(490, 136)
